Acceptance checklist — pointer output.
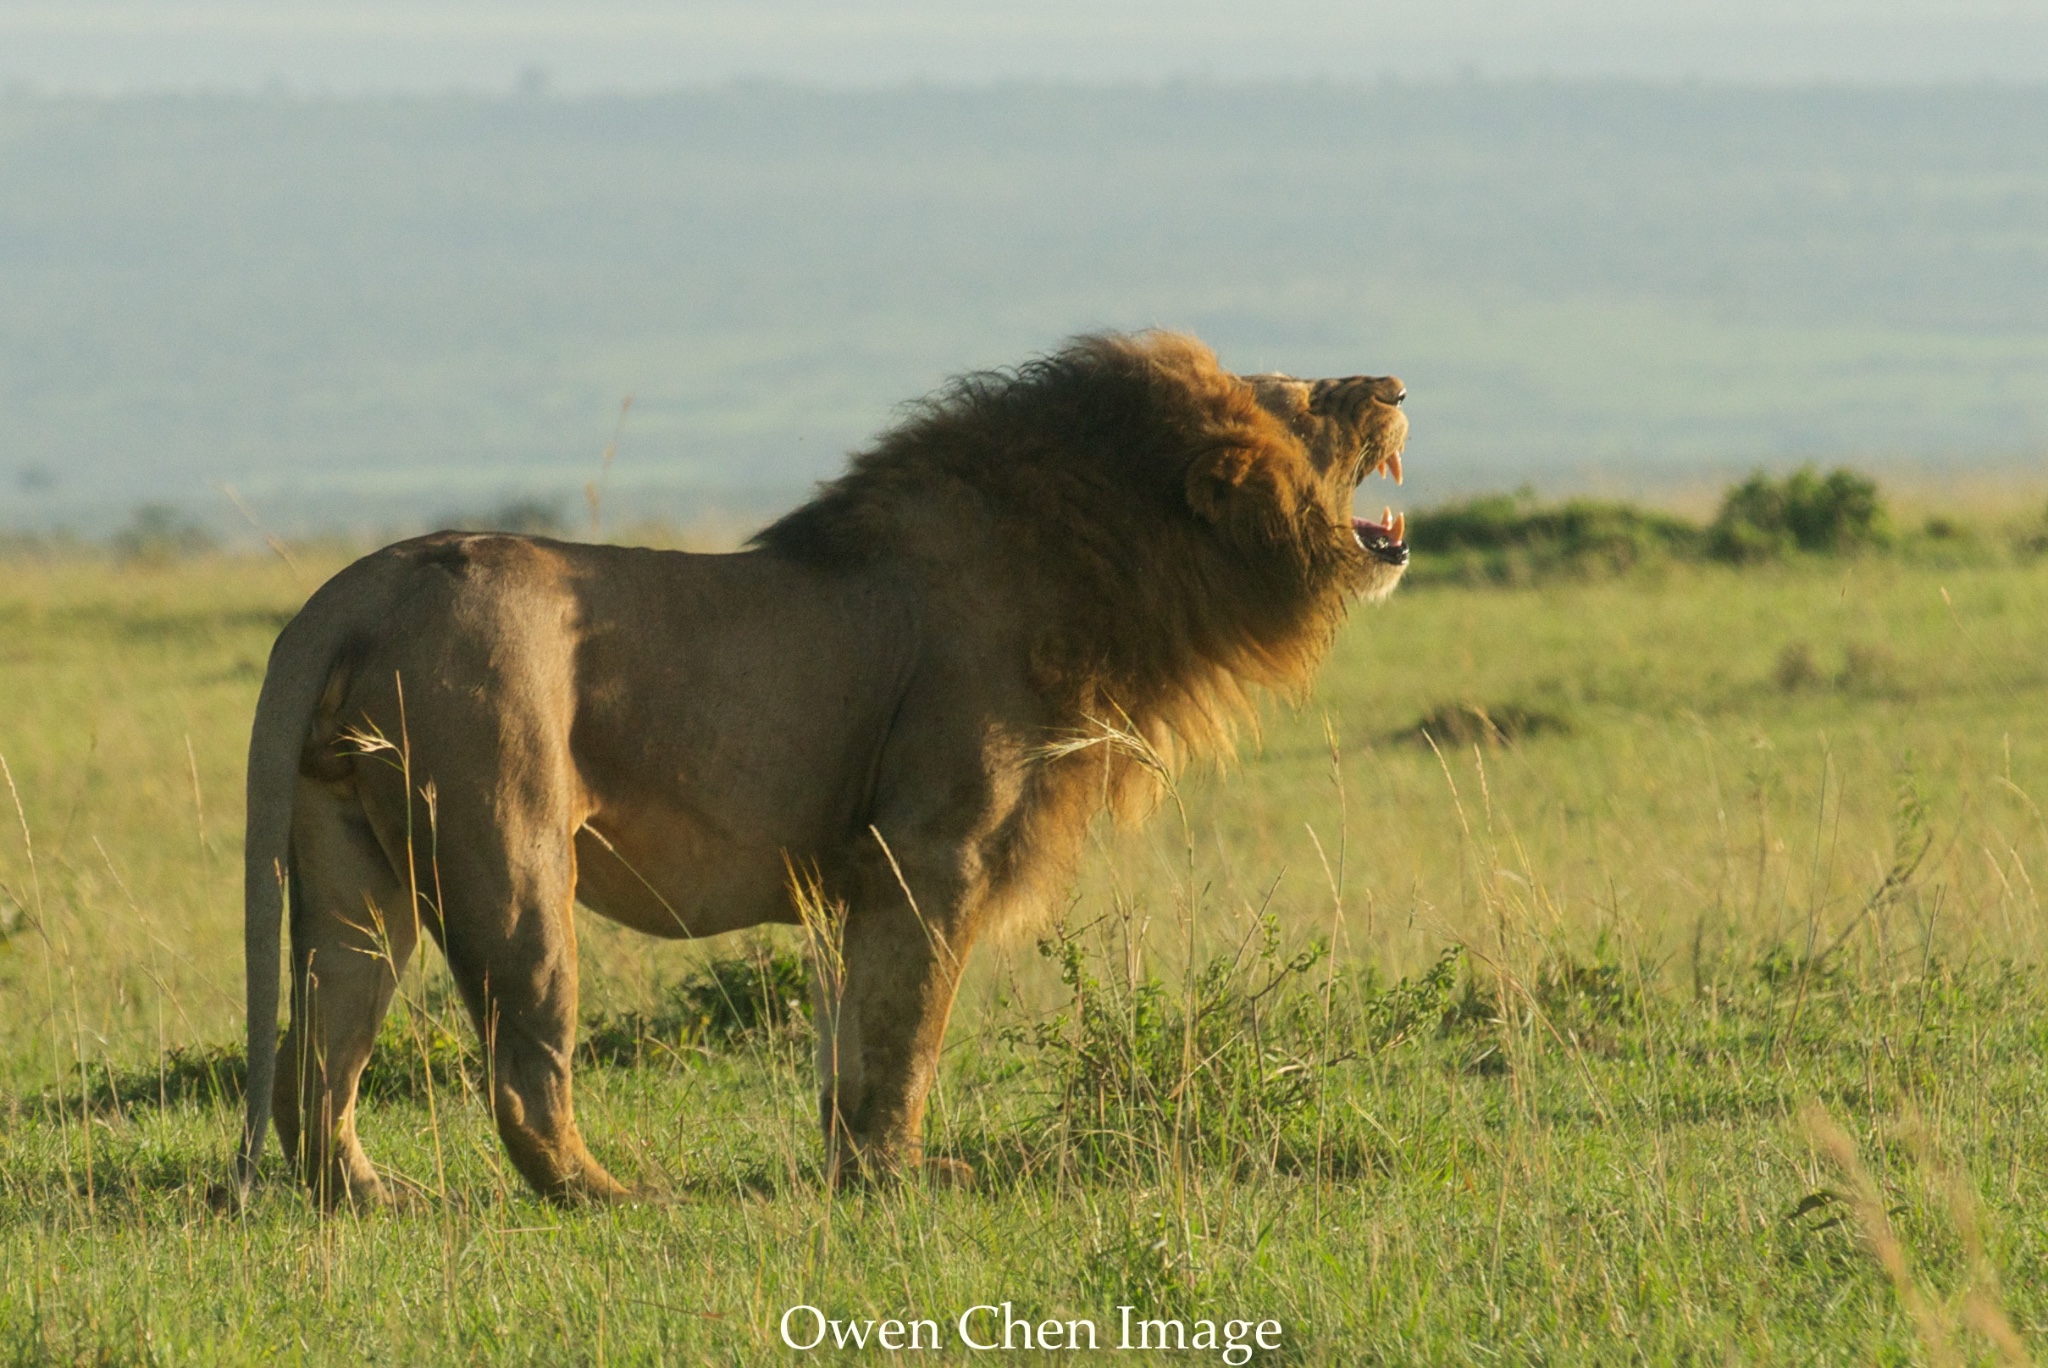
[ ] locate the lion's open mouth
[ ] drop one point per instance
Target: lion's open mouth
(1386, 540)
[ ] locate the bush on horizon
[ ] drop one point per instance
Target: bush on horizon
(1763, 518)
(1517, 539)
(1514, 537)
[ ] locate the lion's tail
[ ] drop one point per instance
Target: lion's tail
(302, 665)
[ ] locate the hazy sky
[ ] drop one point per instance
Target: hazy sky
(347, 46)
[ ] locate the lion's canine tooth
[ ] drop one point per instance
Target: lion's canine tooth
(1387, 519)
(1394, 466)
(1400, 526)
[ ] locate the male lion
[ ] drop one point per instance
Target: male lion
(880, 698)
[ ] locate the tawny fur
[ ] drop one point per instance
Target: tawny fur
(888, 689)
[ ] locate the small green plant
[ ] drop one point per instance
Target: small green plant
(1797, 667)
(420, 1050)
(1218, 1070)
(1869, 667)
(1945, 529)
(1227, 1069)
(1589, 992)
(737, 998)
(2032, 538)
(761, 994)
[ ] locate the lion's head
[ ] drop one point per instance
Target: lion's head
(1347, 429)
(1283, 489)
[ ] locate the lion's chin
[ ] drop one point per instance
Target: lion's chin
(1378, 579)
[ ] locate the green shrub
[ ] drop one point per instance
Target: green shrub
(1514, 538)
(2032, 538)
(1505, 537)
(1763, 518)
(730, 1001)
(1227, 1069)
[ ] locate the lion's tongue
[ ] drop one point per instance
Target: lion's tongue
(1394, 529)
(1386, 539)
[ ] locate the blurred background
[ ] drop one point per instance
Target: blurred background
(361, 267)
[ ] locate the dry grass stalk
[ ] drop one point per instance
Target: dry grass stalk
(1866, 1205)
(1979, 1304)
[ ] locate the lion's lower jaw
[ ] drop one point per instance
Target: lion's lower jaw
(1379, 580)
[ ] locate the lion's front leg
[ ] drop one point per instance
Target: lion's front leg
(882, 999)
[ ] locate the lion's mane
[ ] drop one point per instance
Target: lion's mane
(1091, 467)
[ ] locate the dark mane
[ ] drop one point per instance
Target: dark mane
(1095, 408)
(1078, 466)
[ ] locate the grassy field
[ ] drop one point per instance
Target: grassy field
(1684, 1003)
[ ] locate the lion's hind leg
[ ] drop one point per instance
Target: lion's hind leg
(510, 938)
(353, 929)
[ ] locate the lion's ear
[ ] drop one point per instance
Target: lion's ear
(1242, 485)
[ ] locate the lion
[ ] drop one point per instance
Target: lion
(887, 703)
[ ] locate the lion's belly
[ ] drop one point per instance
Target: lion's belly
(664, 874)
(730, 719)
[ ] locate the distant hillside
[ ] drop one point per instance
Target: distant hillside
(380, 309)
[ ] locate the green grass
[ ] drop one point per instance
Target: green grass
(1710, 891)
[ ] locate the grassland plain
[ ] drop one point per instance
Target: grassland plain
(1685, 1004)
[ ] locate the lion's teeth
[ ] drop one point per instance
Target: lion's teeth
(1394, 466)
(1400, 526)
(1387, 518)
